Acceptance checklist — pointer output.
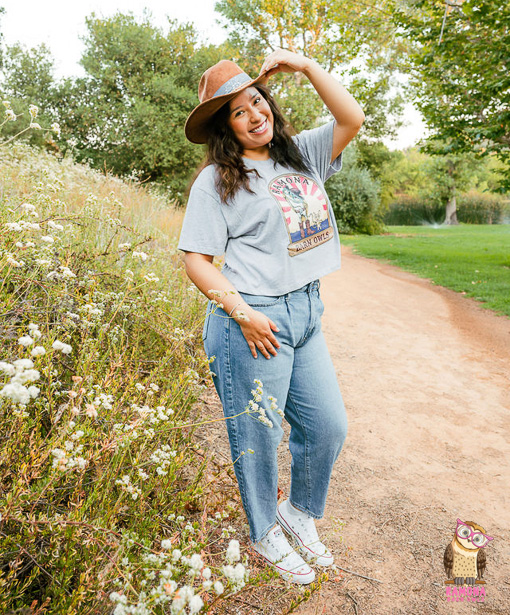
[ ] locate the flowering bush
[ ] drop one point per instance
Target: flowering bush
(99, 373)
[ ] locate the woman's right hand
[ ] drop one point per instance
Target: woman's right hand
(258, 332)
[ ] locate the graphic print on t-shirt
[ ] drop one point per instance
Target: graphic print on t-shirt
(305, 210)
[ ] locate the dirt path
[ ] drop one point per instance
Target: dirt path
(425, 375)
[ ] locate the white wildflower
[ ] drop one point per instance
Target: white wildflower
(166, 544)
(141, 255)
(206, 573)
(34, 330)
(33, 391)
(233, 554)
(55, 225)
(35, 125)
(176, 555)
(56, 128)
(34, 110)
(58, 345)
(26, 340)
(13, 226)
(10, 115)
(37, 351)
(218, 588)
(66, 272)
(60, 460)
(16, 392)
(151, 277)
(12, 261)
(196, 562)
(195, 605)
(239, 572)
(91, 411)
(240, 315)
(7, 368)
(23, 364)
(47, 239)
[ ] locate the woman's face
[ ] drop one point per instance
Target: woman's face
(251, 119)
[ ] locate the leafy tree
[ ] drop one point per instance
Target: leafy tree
(27, 78)
(409, 172)
(449, 175)
(128, 113)
(381, 162)
(459, 73)
(335, 33)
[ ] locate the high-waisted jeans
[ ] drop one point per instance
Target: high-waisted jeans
(302, 379)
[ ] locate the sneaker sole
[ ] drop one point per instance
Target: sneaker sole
(303, 578)
(320, 560)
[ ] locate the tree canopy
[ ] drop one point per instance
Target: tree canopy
(460, 73)
(341, 35)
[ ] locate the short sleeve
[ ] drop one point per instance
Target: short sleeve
(317, 145)
(204, 229)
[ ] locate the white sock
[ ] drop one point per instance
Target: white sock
(294, 512)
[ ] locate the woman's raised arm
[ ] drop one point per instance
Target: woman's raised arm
(347, 112)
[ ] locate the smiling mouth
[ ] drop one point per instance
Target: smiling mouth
(260, 128)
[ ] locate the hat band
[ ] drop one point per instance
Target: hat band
(232, 84)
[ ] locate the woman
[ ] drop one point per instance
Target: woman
(260, 200)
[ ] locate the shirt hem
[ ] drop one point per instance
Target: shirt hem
(297, 284)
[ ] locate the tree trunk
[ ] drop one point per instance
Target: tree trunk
(451, 211)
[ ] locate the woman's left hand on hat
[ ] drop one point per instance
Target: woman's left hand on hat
(284, 61)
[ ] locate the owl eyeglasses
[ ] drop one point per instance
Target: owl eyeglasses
(479, 539)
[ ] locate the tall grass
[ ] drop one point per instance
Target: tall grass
(102, 502)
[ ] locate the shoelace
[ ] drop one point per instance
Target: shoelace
(283, 552)
(305, 527)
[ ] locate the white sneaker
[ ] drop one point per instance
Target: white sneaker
(302, 529)
(276, 550)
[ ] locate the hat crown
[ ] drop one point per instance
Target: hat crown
(219, 84)
(222, 78)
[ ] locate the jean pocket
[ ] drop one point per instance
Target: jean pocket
(206, 321)
(321, 305)
(256, 301)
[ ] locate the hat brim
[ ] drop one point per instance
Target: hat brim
(195, 128)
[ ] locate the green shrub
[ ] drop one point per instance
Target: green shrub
(413, 211)
(355, 197)
(480, 208)
(472, 208)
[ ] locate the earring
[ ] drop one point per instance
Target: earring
(270, 144)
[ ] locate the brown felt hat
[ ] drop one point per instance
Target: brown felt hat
(217, 86)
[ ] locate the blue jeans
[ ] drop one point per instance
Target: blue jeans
(303, 380)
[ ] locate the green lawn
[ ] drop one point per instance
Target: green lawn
(472, 259)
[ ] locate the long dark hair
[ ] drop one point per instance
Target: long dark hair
(226, 153)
